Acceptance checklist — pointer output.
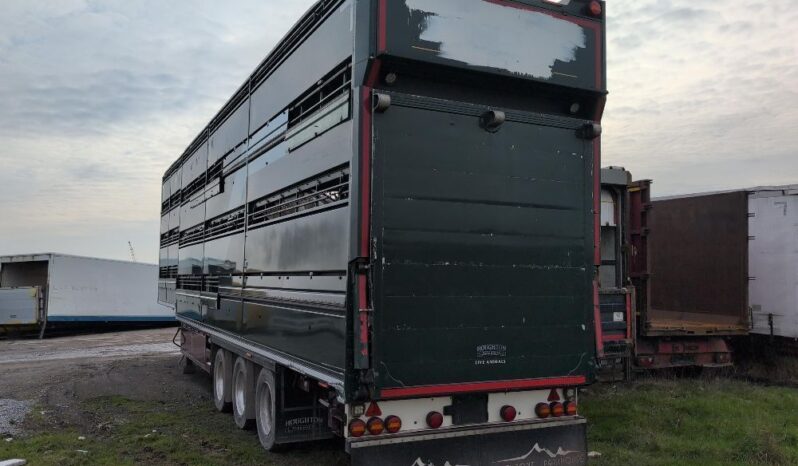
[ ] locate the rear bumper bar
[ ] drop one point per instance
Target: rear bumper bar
(554, 443)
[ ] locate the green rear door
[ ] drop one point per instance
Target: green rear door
(483, 243)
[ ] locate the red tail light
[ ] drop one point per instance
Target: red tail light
(595, 8)
(375, 426)
(570, 408)
(543, 410)
(434, 419)
(393, 424)
(374, 410)
(508, 413)
(553, 395)
(357, 428)
(557, 409)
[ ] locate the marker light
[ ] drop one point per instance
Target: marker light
(357, 428)
(434, 419)
(595, 8)
(508, 413)
(375, 426)
(543, 410)
(570, 408)
(557, 409)
(393, 424)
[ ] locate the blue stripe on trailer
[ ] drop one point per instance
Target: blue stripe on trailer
(109, 319)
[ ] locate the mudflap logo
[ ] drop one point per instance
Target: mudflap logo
(488, 355)
(420, 462)
(539, 456)
(302, 424)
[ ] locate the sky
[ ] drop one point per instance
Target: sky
(99, 97)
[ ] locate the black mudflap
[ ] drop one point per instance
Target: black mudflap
(532, 444)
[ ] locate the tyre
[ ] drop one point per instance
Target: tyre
(243, 395)
(222, 377)
(266, 409)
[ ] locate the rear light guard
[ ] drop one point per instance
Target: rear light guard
(413, 415)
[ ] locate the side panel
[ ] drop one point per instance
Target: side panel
(773, 263)
(328, 46)
(19, 306)
(698, 250)
(83, 289)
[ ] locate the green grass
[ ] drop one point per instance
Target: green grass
(121, 433)
(650, 422)
(692, 422)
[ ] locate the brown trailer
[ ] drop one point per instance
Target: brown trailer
(689, 265)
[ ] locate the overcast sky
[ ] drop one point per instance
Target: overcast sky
(98, 97)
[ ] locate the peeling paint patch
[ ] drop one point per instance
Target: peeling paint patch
(476, 33)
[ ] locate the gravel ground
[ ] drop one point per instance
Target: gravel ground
(12, 413)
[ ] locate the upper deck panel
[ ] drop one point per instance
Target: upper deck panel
(517, 38)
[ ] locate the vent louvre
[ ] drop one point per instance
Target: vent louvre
(325, 190)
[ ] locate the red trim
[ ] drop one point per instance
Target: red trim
(372, 76)
(382, 27)
(628, 315)
(597, 320)
(571, 19)
(409, 392)
(597, 201)
(365, 173)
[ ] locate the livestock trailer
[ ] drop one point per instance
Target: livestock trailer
(40, 290)
(389, 232)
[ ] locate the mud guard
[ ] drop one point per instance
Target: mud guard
(560, 443)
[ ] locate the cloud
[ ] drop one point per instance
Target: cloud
(702, 96)
(99, 97)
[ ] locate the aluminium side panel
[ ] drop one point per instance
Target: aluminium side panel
(773, 262)
(95, 290)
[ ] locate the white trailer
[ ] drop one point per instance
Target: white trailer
(773, 261)
(37, 290)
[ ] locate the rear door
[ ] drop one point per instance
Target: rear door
(19, 306)
(484, 247)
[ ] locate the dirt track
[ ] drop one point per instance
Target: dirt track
(63, 378)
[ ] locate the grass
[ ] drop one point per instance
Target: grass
(692, 422)
(124, 432)
(650, 422)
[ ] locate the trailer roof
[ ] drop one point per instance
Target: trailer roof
(788, 189)
(43, 256)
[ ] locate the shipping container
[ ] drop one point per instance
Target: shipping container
(389, 233)
(41, 290)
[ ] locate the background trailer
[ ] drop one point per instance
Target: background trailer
(40, 290)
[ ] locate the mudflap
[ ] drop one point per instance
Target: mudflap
(556, 443)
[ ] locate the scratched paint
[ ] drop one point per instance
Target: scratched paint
(487, 34)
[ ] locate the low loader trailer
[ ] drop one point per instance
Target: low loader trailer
(389, 233)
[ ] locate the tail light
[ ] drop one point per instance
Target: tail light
(357, 428)
(570, 408)
(434, 419)
(375, 426)
(508, 413)
(645, 361)
(393, 424)
(557, 409)
(543, 410)
(595, 8)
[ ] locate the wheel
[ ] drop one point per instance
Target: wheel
(222, 375)
(243, 393)
(265, 409)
